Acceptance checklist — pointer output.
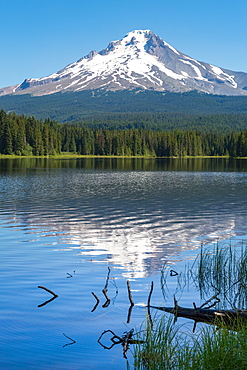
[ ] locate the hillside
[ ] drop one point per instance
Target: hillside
(124, 109)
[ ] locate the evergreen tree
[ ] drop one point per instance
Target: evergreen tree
(8, 146)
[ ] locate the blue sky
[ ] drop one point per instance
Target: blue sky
(38, 37)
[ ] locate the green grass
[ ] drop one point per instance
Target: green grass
(68, 155)
(167, 348)
(221, 270)
(160, 348)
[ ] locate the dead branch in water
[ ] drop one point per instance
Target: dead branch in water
(49, 300)
(125, 340)
(97, 301)
(129, 314)
(148, 304)
(69, 344)
(104, 291)
(131, 302)
(48, 290)
(115, 339)
(231, 319)
(173, 273)
(130, 294)
(46, 302)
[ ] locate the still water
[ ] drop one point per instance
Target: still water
(67, 224)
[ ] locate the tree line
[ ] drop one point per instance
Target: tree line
(23, 135)
(131, 107)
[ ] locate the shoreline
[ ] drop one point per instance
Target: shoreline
(78, 156)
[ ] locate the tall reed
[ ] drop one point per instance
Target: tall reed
(160, 346)
(222, 270)
(218, 270)
(166, 347)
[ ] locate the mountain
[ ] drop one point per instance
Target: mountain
(140, 60)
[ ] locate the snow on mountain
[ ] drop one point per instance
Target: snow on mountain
(140, 60)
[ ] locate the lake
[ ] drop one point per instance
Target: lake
(76, 226)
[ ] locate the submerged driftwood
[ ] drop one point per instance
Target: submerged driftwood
(125, 340)
(231, 319)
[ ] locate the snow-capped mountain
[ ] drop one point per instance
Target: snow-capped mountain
(139, 60)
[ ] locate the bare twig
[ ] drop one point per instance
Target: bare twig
(46, 302)
(95, 296)
(115, 285)
(194, 326)
(175, 309)
(49, 300)
(108, 301)
(107, 279)
(150, 293)
(130, 294)
(72, 341)
(115, 339)
(173, 273)
(215, 297)
(104, 291)
(126, 340)
(129, 313)
(97, 301)
(48, 290)
(149, 300)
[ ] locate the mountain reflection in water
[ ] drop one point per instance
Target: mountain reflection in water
(132, 213)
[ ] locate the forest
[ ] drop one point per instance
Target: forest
(27, 135)
(134, 108)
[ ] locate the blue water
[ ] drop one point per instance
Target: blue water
(63, 223)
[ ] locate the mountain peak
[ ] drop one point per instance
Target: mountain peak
(138, 35)
(141, 59)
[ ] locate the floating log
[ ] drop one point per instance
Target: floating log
(231, 319)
